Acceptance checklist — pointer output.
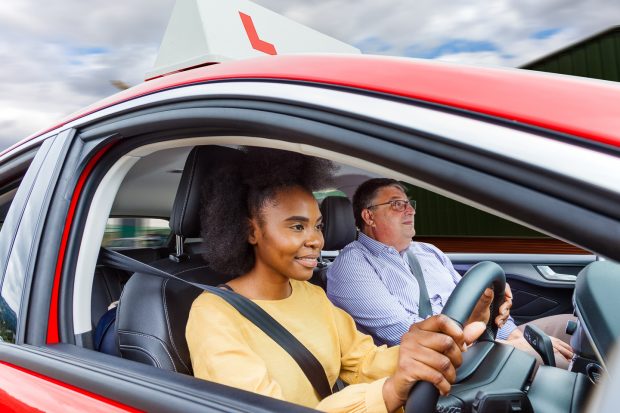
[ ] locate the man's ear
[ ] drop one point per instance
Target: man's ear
(254, 231)
(367, 217)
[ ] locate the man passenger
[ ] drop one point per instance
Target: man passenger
(375, 277)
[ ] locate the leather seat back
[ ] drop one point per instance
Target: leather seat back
(338, 222)
(338, 230)
(109, 282)
(153, 311)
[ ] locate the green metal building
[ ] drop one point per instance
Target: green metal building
(597, 56)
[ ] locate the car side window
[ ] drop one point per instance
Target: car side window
(12, 174)
(133, 232)
(457, 227)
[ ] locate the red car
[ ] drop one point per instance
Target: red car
(542, 152)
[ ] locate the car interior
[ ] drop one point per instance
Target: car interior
(163, 180)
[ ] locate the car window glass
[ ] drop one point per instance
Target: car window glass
(457, 227)
(11, 176)
(136, 233)
(320, 195)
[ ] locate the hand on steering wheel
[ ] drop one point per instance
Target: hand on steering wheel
(482, 311)
(459, 308)
(430, 351)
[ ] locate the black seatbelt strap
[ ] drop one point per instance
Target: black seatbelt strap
(308, 363)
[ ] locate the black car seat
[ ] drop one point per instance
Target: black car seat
(108, 282)
(338, 230)
(153, 311)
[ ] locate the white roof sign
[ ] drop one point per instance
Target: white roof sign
(212, 31)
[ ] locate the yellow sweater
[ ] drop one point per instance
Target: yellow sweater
(227, 348)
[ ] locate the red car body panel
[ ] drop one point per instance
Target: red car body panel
(25, 391)
(580, 107)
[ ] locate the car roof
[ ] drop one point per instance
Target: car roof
(581, 107)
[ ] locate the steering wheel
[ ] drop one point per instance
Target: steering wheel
(462, 301)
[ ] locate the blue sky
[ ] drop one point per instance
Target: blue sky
(61, 56)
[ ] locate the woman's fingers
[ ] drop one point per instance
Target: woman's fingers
(429, 335)
(504, 309)
(441, 324)
(473, 330)
(429, 351)
(503, 313)
(440, 363)
(427, 373)
(481, 311)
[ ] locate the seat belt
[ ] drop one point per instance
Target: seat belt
(308, 363)
(425, 309)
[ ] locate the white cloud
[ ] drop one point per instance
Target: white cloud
(60, 56)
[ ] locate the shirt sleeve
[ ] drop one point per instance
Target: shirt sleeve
(508, 327)
(354, 285)
(358, 398)
(364, 366)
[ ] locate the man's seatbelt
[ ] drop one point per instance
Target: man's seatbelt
(308, 363)
(424, 303)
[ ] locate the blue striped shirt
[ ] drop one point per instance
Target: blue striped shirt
(372, 282)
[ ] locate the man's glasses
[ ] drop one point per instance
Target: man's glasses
(398, 205)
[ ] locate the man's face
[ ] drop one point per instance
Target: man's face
(386, 224)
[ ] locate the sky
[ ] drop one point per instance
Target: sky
(59, 56)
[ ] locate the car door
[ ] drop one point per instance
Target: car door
(542, 284)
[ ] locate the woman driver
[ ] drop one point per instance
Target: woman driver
(261, 223)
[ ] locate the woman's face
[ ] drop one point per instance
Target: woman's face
(288, 238)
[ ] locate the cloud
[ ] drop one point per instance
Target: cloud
(61, 56)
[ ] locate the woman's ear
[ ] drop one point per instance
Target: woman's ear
(254, 231)
(367, 217)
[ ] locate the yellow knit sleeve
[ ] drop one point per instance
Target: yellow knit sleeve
(361, 360)
(357, 398)
(219, 351)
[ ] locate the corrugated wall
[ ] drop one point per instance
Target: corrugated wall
(596, 57)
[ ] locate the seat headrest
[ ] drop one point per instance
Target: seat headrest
(202, 160)
(338, 222)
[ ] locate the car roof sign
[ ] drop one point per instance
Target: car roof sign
(202, 32)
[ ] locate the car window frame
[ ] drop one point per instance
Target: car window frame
(342, 133)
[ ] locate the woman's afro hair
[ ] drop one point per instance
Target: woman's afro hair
(237, 192)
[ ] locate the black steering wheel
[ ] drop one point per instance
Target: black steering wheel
(462, 301)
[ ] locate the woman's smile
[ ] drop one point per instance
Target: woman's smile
(309, 261)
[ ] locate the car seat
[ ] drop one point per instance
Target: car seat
(338, 231)
(153, 311)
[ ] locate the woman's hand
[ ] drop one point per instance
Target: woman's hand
(482, 310)
(429, 351)
(504, 309)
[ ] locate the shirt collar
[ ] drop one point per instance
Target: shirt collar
(374, 246)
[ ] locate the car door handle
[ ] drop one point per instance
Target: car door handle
(549, 274)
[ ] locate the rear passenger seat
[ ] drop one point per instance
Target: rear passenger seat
(108, 282)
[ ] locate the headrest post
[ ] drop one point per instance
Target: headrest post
(179, 245)
(178, 256)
